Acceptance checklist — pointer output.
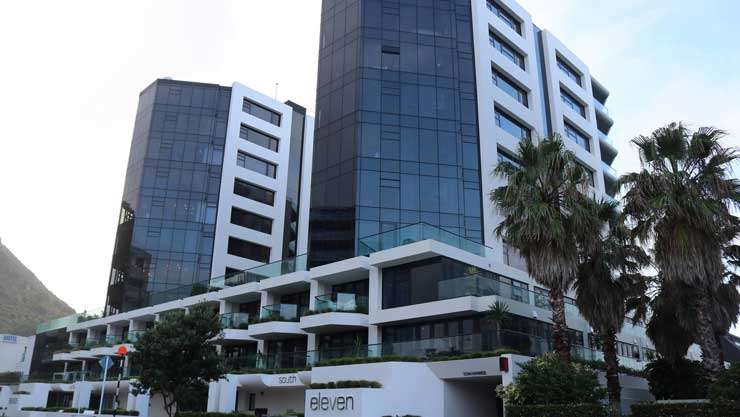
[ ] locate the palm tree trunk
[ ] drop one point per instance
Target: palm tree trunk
(710, 351)
(612, 372)
(559, 326)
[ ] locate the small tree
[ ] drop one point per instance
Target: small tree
(547, 380)
(727, 387)
(498, 315)
(178, 356)
(676, 379)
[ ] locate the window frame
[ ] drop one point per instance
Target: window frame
(271, 139)
(269, 192)
(506, 16)
(273, 114)
(507, 50)
(498, 114)
(567, 69)
(572, 102)
(246, 155)
(522, 95)
(570, 128)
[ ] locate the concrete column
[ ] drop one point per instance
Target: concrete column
(81, 395)
(214, 389)
(139, 403)
(227, 396)
(375, 295)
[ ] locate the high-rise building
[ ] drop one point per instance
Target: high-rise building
(416, 103)
(213, 186)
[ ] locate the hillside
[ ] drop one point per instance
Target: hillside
(24, 300)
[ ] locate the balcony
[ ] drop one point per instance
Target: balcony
(336, 312)
(234, 320)
(464, 295)
(134, 335)
(417, 233)
(608, 149)
(258, 273)
(63, 322)
(277, 321)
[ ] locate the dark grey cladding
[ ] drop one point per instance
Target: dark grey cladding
(168, 211)
(396, 138)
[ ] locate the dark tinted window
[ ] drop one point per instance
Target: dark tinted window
(249, 220)
(255, 164)
(258, 138)
(254, 192)
(248, 250)
(510, 87)
(507, 123)
(505, 16)
(576, 136)
(506, 50)
(262, 112)
(569, 71)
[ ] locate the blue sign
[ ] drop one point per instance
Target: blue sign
(105, 362)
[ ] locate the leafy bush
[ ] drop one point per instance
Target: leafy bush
(346, 384)
(211, 414)
(727, 386)
(10, 377)
(119, 412)
(360, 359)
(497, 352)
(705, 409)
(676, 380)
(601, 366)
(557, 410)
(268, 371)
(547, 380)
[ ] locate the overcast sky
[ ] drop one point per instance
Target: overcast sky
(71, 72)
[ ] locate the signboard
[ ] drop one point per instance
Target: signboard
(105, 362)
(282, 380)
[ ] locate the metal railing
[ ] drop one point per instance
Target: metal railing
(344, 302)
(234, 320)
(418, 232)
(280, 312)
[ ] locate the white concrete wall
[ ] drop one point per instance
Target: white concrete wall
(15, 353)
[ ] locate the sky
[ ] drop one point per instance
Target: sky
(71, 72)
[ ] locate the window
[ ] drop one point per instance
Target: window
(576, 136)
(510, 87)
(589, 173)
(507, 17)
(506, 50)
(255, 164)
(258, 138)
(249, 220)
(571, 102)
(254, 192)
(248, 250)
(569, 71)
(261, 112)
(505, 156)
(510, 125)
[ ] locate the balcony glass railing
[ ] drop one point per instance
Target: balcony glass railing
(343, 302)
(70, 376)
(134, 335)
(609, 171)
(234, 320)
(418, 232)
(256, 274)
(599, 106)
(280, 312)
(114, 340)
(62, 322)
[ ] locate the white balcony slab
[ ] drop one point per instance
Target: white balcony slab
(333, 322)
(348, 270)
(425, 249)
(294, 281)
(82, 354)
(62, 357)
(275, 330)
(237, 335)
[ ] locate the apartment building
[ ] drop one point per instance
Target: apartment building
(417, 101)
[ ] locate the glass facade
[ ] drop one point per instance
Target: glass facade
(396, 138)
(293, 189)
(168, 211)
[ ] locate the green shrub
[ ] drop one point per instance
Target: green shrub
(211, 414)
(346, 384)
(547, 380)
(727, 386)
(676, 380)
(705, 409)
(362, 359)
(268, 371)
(557, 410)
(119, 412)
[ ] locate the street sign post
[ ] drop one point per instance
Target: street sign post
(105, 363)
(122, 352)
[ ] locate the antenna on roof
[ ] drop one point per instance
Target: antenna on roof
(276, 90)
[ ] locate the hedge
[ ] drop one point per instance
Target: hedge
(557, 410)
(705, 409)
(119, 411)
(398, 358)
(346, 384)
(211, 414)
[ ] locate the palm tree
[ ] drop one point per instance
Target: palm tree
(680, 203)
(544, 218)
(498, 314)
(608, 275)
